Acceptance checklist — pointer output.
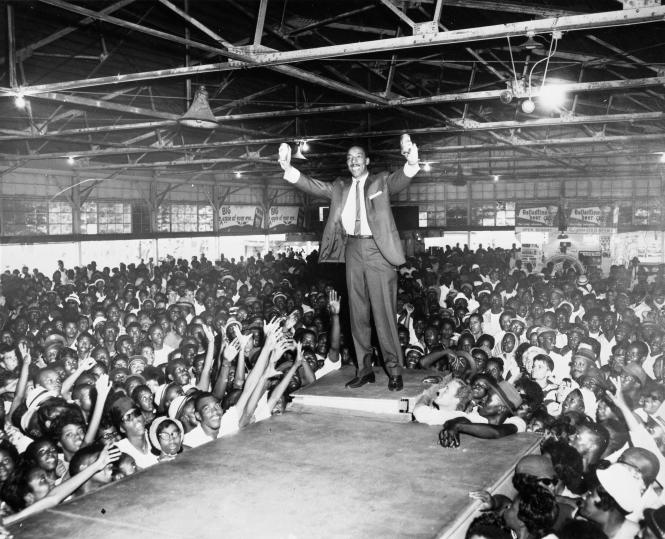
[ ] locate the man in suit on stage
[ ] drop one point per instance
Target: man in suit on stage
(361, 231)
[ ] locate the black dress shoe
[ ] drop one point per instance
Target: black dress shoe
(360, 381)
(395, 383)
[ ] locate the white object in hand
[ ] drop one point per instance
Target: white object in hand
(405, 144)
(284, 151)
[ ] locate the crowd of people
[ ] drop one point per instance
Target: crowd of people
(104, 372)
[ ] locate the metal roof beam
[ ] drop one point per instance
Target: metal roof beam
(546, 26)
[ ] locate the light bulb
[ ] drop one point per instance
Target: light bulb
(506, 97)
(305, 146)
(71, 160)
(495, 177)
(528, 106)
(19, 101)
(238, 174)
(552, 96)
(427, 167)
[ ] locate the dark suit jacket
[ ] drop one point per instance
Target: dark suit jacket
(378, 188)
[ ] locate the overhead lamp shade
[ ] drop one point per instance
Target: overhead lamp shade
(531, 44)
(299, 154)
(200, 114)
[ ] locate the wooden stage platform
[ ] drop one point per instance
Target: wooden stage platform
(306, 474)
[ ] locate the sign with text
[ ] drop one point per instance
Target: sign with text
(536, 216)
(240, 217)
(289, 217)
(592, 216)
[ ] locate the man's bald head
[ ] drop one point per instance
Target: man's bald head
(644, 460)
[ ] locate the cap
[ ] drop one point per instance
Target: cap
(34, 399)
(544, 330)
(137, 359)
(177, 405)
(98, 320)
(538, 466)
(585, 351)
(152, 433)
(54, 339)
(73, 297)
(306, 309)
(159, 394)
(624, 483)
(122, 405)
(414, 348)
(582, 280)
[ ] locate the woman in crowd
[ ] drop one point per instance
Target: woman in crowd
(157, 358)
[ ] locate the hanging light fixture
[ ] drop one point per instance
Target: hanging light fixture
(531, 44)
(299, 154)
(200, 114)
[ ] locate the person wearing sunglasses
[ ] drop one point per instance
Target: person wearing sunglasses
(130, 422)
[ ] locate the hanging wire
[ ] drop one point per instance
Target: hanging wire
(512, 61)
(553, 45)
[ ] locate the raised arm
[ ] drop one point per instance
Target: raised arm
(263, 383)
(228, 354)
(69, 382)
(304, 183)
(335, 329)
(19, 393)
(204, 382)
(103, 388)
(274, 339)
(284, 382)
(241, 365)
(400, 179)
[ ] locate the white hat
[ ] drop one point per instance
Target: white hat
(177, 405)
(34, 399)
(624, 483)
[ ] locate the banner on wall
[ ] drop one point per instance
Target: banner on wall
(286, 217)
(604, 216)
(544, 215)
(240, 217)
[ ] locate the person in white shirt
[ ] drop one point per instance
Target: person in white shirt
(495, 419)
(441, 402)
(213, 422)
(161, 351)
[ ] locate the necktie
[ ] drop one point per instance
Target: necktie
(356, 229)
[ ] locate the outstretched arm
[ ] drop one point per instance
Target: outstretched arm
(292, 175)
(58, 493)
(401, 179)
(449, 435)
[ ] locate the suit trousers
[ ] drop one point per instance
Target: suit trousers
(372, 284)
